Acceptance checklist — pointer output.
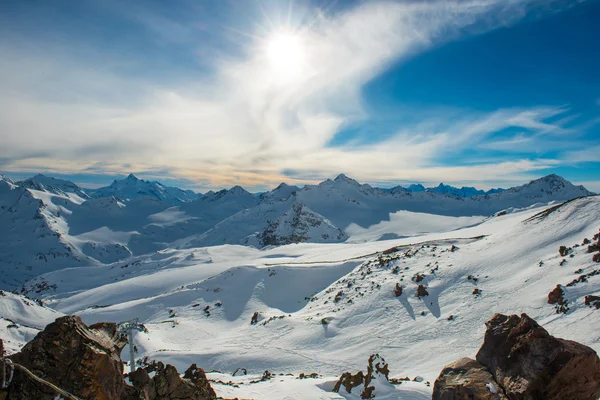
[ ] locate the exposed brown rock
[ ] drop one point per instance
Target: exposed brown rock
(556, 295)
(169, 385)
(466, 379)
(376, 369)
(422, 291)
(563, 250)
(349, 381)
(254, 319)
(596, 258)
(398, 290)
(592, 301)
(529, 363)
(83, 361)
(593, 248)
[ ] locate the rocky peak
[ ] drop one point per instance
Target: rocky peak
(341, 178)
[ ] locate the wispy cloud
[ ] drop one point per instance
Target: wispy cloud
(243, 125)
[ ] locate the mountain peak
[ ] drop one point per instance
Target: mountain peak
(343, 178)
(132, 177)
(237, 189)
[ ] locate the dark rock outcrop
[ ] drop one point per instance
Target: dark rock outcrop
(167, 384)
(466, 379)
(84, 361)
(349, 381)
(529, 363)
(592, 301)
(422, 291)
(377, 373)
(520, 360)
(398, 290)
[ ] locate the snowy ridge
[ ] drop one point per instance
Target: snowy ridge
(53, 185)
(67, 228)
(132, 188)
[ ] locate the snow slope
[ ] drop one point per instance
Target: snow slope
(326, 308)
(21, 319)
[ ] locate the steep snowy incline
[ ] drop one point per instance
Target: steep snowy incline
(32, 237)
(21, 319)
(131, 188)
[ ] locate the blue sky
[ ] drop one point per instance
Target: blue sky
(209, 94)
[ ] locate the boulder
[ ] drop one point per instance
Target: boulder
(167, 384)
(377, 375)
(84, 361)
(349, 381)
(466, 379)
(556, 295)
(422, 291)
(592, 301)
(374, 381)
(528, 363)
(398, 290)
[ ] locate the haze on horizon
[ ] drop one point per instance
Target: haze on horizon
(203, 95)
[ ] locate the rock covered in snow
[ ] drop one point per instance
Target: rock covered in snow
(375, 382)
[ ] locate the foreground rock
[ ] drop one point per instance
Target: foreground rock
(466, 379)
(86, 362)
(522, 361)
(167, 384)
(374, 382)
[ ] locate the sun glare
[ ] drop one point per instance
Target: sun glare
(287, 56)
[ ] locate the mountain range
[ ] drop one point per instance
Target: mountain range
(53, 223)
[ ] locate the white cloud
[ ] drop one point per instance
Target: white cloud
(242, 124)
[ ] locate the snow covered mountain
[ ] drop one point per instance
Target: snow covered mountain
(51, 223)
(131, 188)
(31, 240)
(325, 308)
(53, 185)
(462, 192)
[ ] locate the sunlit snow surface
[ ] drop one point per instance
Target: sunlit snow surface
(170, 289)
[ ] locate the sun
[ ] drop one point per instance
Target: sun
(286, 54)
